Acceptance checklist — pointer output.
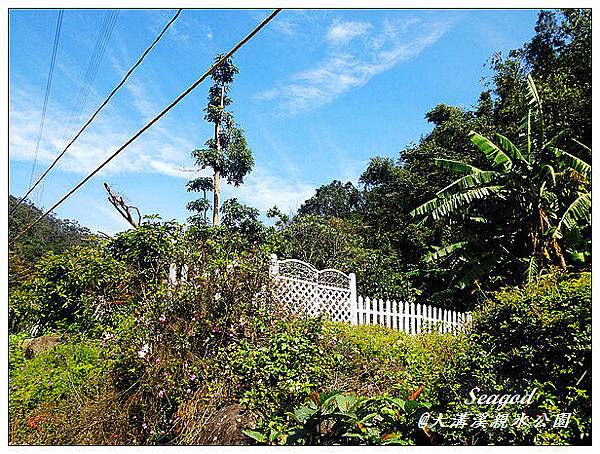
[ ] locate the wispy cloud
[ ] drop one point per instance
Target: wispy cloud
(263, 189)
(377, 49)
(157, 151)
(286, 26)
(342, 32)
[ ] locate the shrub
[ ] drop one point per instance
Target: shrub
(336, 418)
(538, 336)
(70, 291)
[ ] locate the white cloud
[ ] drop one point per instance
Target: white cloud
(286, 26)
(342, 32)
(263, 189)
(157, 151)
(141, 100)
(344, 69)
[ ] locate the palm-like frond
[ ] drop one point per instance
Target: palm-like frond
(525, 135)
(532, 95)
(584, 146)
(455, 166)
(532, 272)
(579, 210)
(468, 182)
(450, 205)
(441, 207)
(493, 153)
(510, 148)
(535, 109)
(574, 162)
(442, 252)
(548, 170)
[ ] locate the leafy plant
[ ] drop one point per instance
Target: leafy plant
(336, 418)
(540, 190)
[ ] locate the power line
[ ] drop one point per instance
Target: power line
(94, 64)
(119, 85)
(87, 83)
(47, 93)
(87, 78)
(154, 120)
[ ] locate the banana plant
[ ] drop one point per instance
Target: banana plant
(537, 192)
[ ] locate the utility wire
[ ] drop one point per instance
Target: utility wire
(154, 120)
(119, 85)
(47, 93)
(95, 61)
(102, 40)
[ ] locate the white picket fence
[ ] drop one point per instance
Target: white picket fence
(408, 317)
(307, 291)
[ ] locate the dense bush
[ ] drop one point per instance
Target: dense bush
(335, 418)
(78, 290)
(175, 359)
(539, 337)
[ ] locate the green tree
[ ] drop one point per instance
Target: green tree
(243, 219)
(227, 152)
(558, 57)
(529, 197)
(334, 199)
(50, 234)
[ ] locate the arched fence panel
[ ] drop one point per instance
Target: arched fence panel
(306, 291)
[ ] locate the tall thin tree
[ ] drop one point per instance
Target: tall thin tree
(227, 152)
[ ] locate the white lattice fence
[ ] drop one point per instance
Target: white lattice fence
(309, 292)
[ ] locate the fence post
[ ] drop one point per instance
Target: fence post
(172, 275)
(274, 267)
(353, 300)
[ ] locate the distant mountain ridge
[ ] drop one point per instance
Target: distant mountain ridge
(50, 234)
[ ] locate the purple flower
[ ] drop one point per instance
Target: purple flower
(193, 377)
(162, 319)
(161, 393)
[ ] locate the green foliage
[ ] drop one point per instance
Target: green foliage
(51, 383)
(533, 187)
(242, 219)
(329, 242)
(227, 153)
(335, 199)
(335, 418)
(50, 234)
(78, 290)
(535, 337)
(148, 249)
(281, 366)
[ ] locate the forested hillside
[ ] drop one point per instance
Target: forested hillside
(51, 234)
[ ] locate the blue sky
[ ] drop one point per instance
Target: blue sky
(319, 93)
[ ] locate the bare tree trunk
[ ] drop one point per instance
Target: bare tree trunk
(216, 194)
(124, 210)
(217, 175)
